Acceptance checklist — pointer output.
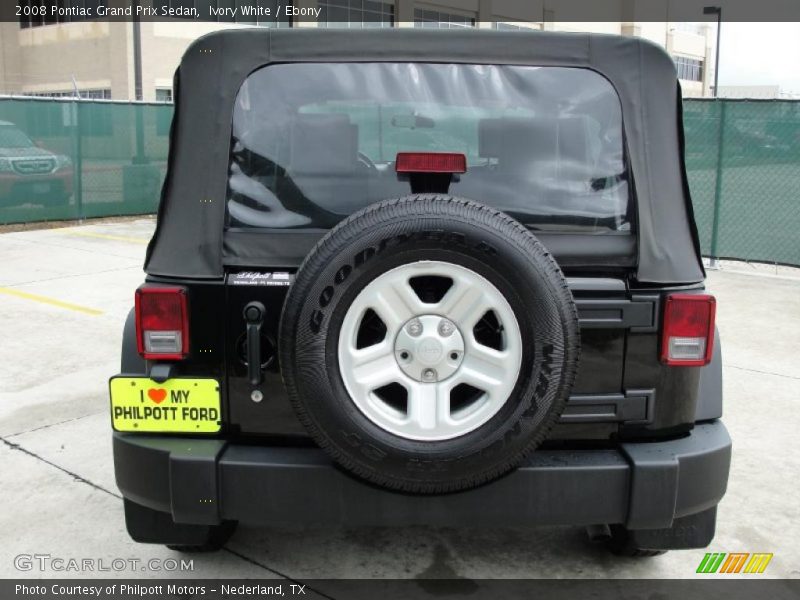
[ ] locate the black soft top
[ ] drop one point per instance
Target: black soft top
(188, 241)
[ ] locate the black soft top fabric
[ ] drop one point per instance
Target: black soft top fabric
(188, 241)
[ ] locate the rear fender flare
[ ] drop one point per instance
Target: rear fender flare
(132, 363)
(709, 390)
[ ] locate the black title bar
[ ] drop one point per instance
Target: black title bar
(395, 589)
(264, 12)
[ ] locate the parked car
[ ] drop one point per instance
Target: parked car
(30, 174)
(442, 278)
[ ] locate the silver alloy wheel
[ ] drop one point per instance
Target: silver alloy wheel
(430, 349)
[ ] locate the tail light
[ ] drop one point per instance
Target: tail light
(162, 322)
(688, 330)
(430, 162)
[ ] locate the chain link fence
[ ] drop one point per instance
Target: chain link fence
(743, 162)
(68, 159)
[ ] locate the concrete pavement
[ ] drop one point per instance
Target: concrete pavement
(65, 294)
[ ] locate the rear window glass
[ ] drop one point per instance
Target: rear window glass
(314, 142)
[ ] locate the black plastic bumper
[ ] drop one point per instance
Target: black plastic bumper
(642, 485)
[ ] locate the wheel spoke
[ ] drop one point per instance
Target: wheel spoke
(374, 366)
(464, 303)
(395, 304)
(428, 404)
(484, 368)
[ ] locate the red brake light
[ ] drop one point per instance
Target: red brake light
(162, 322)
(688, 337)
(430, 162)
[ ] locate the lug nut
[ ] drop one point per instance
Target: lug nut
(414, 328)
(446, 328)
(429, 375)
(256, 396)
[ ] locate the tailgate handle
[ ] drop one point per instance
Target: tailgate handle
(254, 317)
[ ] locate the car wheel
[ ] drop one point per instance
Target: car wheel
(429, 343)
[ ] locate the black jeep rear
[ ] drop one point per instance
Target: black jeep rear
(452, 281)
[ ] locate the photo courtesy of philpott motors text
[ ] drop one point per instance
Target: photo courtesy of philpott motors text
(160, 590)
(103, 590)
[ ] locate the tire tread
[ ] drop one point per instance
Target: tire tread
(349, 230)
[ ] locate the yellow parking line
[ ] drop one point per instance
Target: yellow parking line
(51, 301)
(104, 236)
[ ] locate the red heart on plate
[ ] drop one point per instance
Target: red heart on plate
(157, 395)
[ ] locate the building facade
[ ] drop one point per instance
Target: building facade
(126, 61)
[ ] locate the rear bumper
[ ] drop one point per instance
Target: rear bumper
(642, 485)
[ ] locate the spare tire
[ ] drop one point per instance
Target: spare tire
(429, 343)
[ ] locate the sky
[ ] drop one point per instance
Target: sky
(760, 54)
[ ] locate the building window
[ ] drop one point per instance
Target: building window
(505, 26)
(95, 94)
(689, 27)
(355, 14)
(163, 94)
(689, 69)
(35, 13)
(103, 94)
(431, 18)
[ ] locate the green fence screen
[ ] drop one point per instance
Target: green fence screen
(743, 162)
(74, 160)
(81, 159)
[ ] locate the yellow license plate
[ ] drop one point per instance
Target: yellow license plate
(177, 405)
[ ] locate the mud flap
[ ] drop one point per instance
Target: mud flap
(150, 526)
(691, 531)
